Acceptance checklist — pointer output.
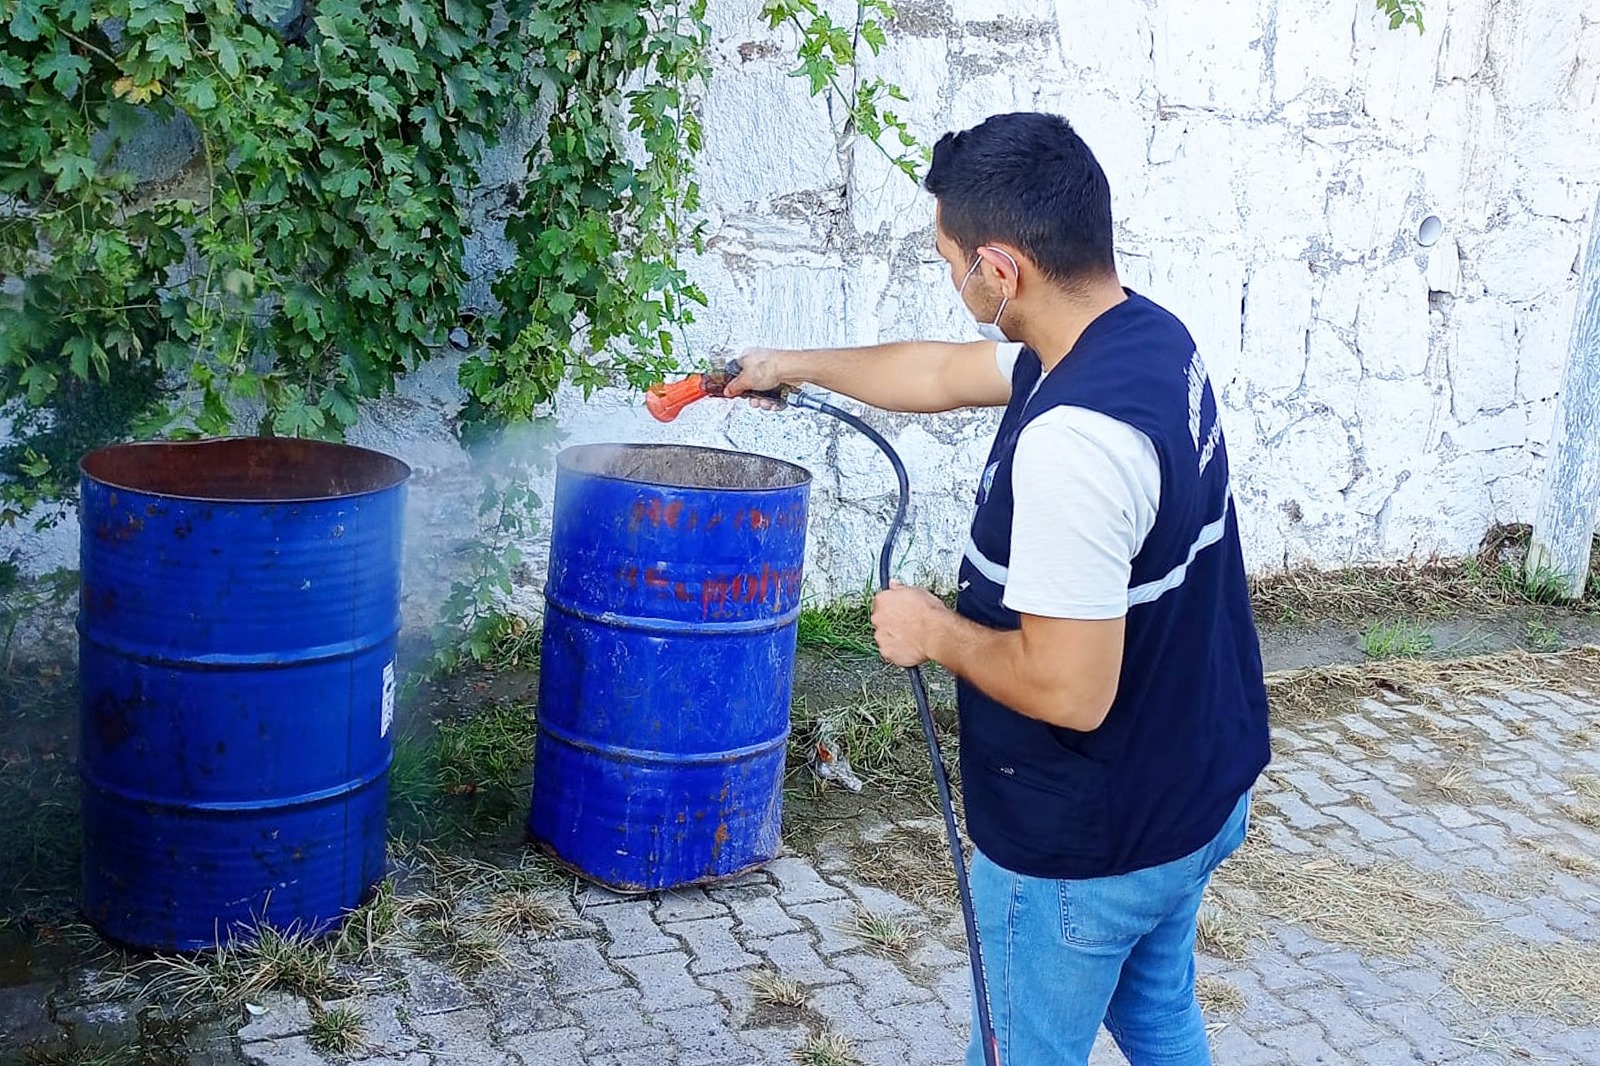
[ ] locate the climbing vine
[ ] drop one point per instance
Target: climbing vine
(1402, 13)
(304, 249)
(829, 52)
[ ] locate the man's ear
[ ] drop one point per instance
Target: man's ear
(1003, 265)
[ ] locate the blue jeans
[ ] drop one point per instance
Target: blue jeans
(1061, 957)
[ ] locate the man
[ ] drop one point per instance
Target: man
(1113, 714)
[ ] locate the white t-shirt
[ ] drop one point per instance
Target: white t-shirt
(1086, 489)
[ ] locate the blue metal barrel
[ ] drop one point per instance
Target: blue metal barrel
(237, 626)
(667, 662)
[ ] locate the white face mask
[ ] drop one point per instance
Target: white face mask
(989, 331)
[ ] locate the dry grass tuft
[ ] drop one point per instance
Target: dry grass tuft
(1320, 692)
(518, 913)
(466, 948)
(1224, 934)
(1570, 861)
(1454, 784)
(774, 990)
(1218, 995)
(889, 936)
(1388, 909)
(826, 1048)
(912, 861)
(338, 1031)
(1560, 981)
(276, 960)
(1437, 588)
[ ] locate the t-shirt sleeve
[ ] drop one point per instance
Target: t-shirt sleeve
(1005, 358)
(1086, 488)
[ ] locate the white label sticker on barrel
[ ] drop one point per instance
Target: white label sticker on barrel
(388, 699)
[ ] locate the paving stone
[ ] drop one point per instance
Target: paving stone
(284, 1051)
(1304, 1045)
(933, 955)
(1296, 811)
(211, 1043)
(954, 989)
(736, 893)
(1383, 803)
(884, 904)
(799, 882)
(462, 1034)
(1531, 927)
(1371, 829)
(890, 1052)
(1345, 1029)
(25, 1015)
(632, 929)
(591, 895)
(1359, 723)
(763, 916)
(385, 1036)
(929, 1039)
(1331, 771)
(1425, 1033)
(660, 1055)
(703, 1036)
(882, 983)
(1315, 789)
(1411, 851)
(712, 946)
(613, 1021)
(833, 921)
(664, 981)
(841, 1008)
(775, 1044)
(576, 966)
(280, 1015)
(1282, 837)
(733, 988)
(685, 905)
(101, 1024)
(1390, 1051)
(526, 1003)
(1235, 1047)
(794, 956)
(1279, 973)
(1263, 1011)
(434, 990)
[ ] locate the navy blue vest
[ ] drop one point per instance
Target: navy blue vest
(1187, 733)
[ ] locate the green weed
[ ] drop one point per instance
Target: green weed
(1389, 640)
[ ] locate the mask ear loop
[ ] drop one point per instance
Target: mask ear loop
(1015, 269)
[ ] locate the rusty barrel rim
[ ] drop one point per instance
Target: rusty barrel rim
(589, 460)
(290, 469)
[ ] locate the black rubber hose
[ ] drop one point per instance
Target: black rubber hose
(941, 775)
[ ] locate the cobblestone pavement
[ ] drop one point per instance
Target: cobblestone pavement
(1467, 831)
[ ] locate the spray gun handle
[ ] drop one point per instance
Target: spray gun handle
(779, 395)
(665, 401)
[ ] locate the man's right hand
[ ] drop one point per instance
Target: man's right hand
(760, 370)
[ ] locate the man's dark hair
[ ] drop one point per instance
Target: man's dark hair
(1028, 180)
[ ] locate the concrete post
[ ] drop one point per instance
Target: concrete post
(1563, 529)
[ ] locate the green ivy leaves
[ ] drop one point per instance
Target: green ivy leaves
(828, 52)
(1402, 13)
(312, 250)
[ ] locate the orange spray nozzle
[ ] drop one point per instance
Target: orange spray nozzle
(666, 400)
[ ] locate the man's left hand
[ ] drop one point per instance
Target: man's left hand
(907, 622)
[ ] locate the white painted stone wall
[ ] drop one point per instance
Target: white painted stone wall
(1271, 163)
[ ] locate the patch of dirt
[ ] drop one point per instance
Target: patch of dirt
(1290, 646)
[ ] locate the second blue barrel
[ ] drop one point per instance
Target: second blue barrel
(237, 626)
(667, 662)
